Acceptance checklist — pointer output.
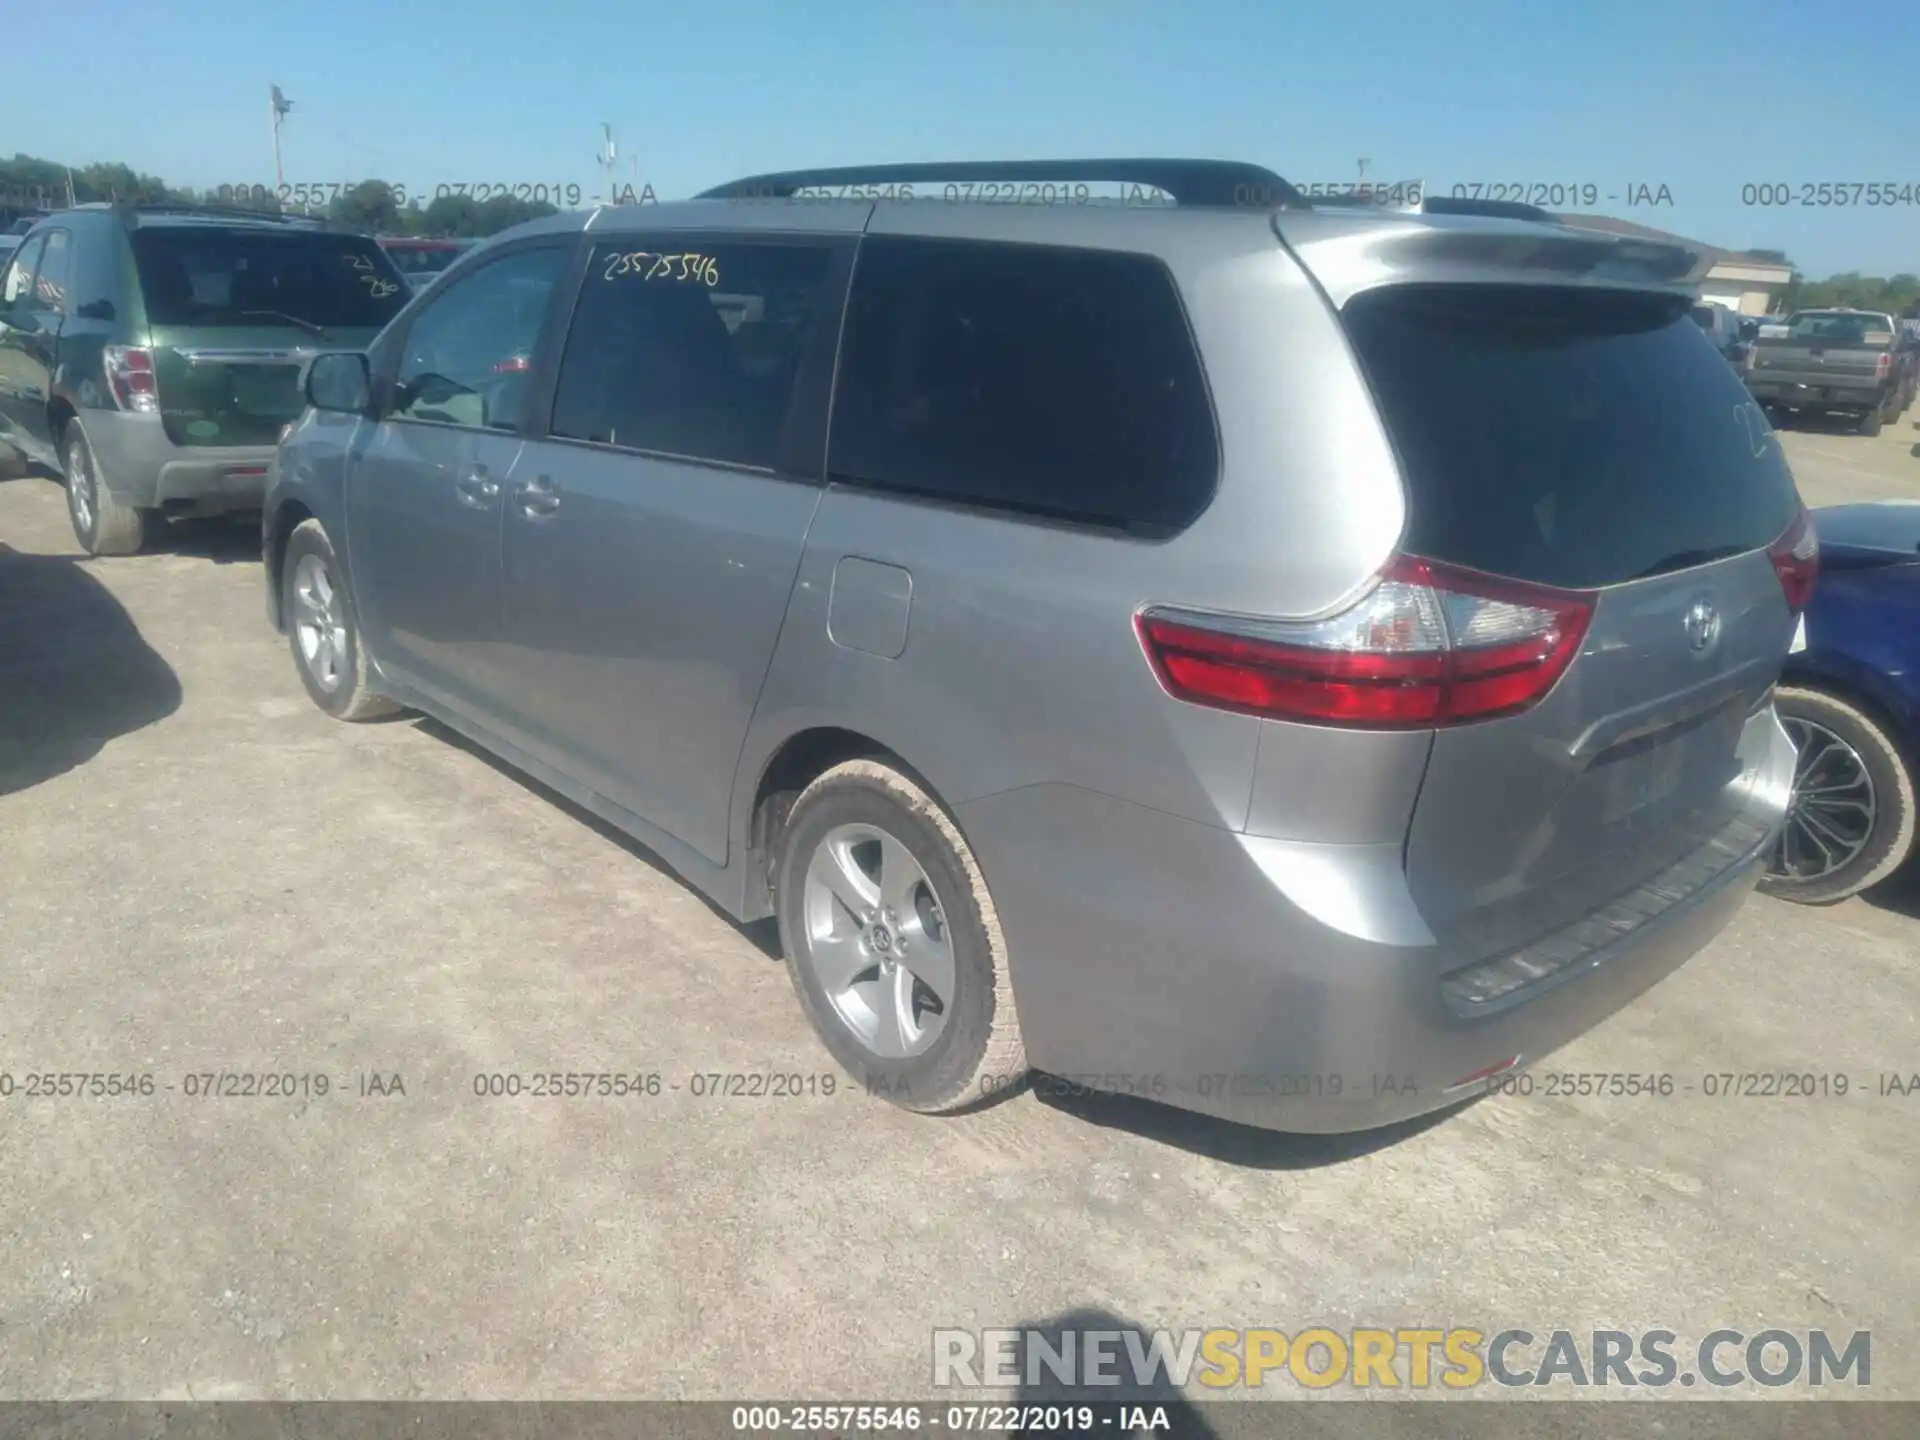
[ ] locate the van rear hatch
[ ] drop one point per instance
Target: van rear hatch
(1593, 441)
(233, 311)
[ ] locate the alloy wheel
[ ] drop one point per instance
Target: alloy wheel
(874, 934)
(80, 488)
(320, 622)
(1832, 811)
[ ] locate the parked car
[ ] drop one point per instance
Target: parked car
(422, 260)
(1848, 362)
(1106, 638)
(151, 353)
(1850, 698)
(1724, 328)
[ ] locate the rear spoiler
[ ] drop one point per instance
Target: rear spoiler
(1465, 249)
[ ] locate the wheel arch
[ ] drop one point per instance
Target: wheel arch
(794, 763)
(1861, 688)
(287, 517)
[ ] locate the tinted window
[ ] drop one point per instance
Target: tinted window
(1575, 438)
(1055, 382)
(423, 259)
(13, 290)
(691, 348)
(212, 275)
(468, 356)
(1837, 329)
(50, 288)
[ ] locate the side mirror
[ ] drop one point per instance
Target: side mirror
(338, 381)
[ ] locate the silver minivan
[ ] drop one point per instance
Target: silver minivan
(1295, 665)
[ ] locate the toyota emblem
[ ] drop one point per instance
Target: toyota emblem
(1702, 624)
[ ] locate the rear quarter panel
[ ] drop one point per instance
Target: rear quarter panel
(1863, 638)
(1021, 667)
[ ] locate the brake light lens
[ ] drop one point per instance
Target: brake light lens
(1883, 365)
(131, 379)
(1429, 645)
(1796, 560)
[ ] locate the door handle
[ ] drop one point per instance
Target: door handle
(477, 488)
(538, 496)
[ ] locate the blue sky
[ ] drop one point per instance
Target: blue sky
(1696, 95)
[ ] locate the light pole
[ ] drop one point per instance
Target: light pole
(281, 105)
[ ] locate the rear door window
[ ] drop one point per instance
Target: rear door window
(1571, 437)
(689, 347)
(16, 287)
(51, 285)
(1058, 383)
(229, 276)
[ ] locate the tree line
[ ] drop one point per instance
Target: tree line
(29, 184)
(1894, 294)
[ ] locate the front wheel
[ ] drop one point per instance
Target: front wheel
(1850, 822)
(321, 628)
(895, 950)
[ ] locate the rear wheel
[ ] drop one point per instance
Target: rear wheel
(1869, 423)
(103, 524)
(895, 949)
(1850, 823)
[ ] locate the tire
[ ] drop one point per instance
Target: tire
(1869, 423)
(323, 634)
(102, 523)
(1861, 764)
(840, 826)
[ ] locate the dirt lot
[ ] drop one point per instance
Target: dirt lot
(200, 872)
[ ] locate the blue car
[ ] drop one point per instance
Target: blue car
(1850, 698)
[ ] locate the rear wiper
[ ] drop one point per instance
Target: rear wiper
(307, 325)
(1687, 559)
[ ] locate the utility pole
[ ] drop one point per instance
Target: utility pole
(281, 105)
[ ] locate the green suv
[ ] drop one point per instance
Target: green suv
(152, 354)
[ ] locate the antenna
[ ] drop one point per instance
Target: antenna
(1365, 161)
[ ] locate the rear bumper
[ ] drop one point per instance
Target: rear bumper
(142, 467)
(1819, 393)
(1285, 985)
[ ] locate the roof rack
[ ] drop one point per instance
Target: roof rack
(210, 208)
(1189, 182)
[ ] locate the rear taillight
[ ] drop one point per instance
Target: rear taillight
(130, 377)
(1428, 645)
(1796, 560)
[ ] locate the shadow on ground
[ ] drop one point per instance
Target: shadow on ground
(1223, 1140)
(223, 539)
(1899, 892)
(762, 934)
(74, 670)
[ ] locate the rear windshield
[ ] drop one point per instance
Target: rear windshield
(1843, 329)
(209, 275)
(1569, 437)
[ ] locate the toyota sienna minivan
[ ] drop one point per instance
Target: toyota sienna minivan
(1296, 665)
